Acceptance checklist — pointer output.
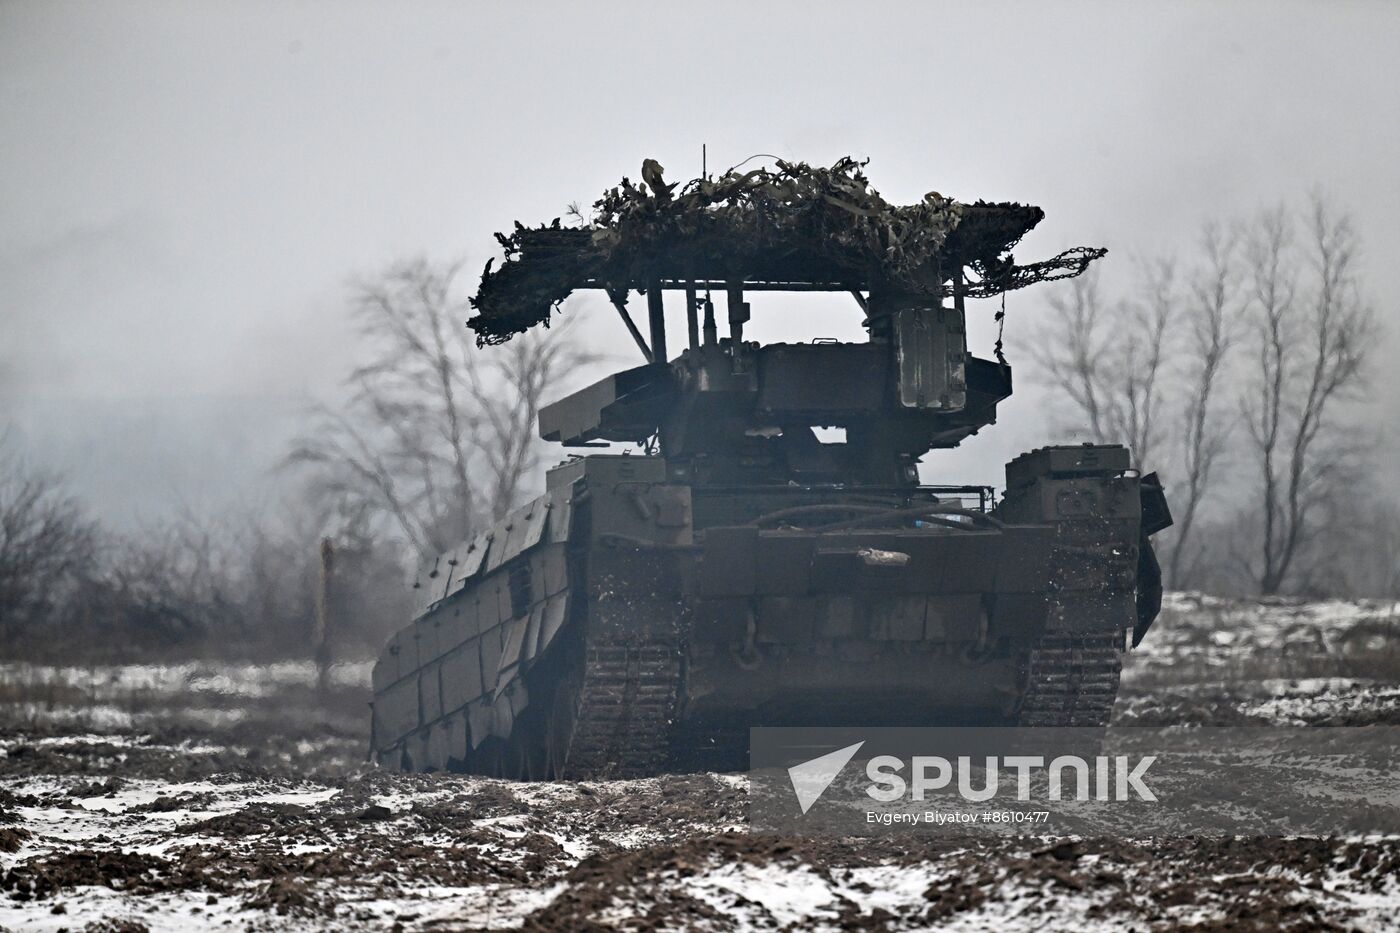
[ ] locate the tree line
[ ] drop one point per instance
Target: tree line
(1234, 374)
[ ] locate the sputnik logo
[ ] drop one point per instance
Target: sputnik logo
(811, 778)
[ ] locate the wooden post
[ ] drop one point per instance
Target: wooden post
(738, 312)
(657, 320)
(692, 315)
(322, 635)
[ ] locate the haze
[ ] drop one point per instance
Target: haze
(187, 188)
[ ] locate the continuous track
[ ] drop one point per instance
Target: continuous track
(1070, 676)
(1070, 680)
(615, 714)
(625, 710)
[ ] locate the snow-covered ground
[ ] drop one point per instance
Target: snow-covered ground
(1282, 661)
(229, 796)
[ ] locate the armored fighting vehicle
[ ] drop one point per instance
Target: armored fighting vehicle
(747, 565)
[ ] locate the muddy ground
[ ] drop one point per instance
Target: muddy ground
(226, 796)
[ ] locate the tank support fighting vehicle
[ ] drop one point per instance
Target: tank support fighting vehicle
(650, 607)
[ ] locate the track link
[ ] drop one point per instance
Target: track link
(625, 711)
(1070, 676)
(1070, 680)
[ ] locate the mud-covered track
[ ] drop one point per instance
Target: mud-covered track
(624, 711)
(1070, 680)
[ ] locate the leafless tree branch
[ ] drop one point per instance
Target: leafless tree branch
(1310, 351)
(437, 437)
(46, 542)
(1213, 314)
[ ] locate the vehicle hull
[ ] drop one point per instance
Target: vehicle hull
(626, 624)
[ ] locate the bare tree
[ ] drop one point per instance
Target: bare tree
(1111, 362)
(1141, 366)
(1071, 350)
(1353, 541)
(1310, 342)
(1212, 314)
(175, 583)
(46, 544)
(438, 435)
(1295, 289)
(236, 583)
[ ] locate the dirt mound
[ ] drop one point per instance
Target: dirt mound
(116, 926)
(254, 820)
(12, 837)
(132, 872)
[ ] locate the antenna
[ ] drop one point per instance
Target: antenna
(709, 308)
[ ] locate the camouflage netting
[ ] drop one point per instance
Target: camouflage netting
(795, 224)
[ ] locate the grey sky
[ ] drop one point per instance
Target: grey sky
(186, 187)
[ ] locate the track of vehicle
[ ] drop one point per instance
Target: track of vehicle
(1070, 680)
(624, 716)
(615, 712)
(624, 711)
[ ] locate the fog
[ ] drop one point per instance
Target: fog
(187, 189)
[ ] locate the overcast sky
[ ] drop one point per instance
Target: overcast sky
(186, 187)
